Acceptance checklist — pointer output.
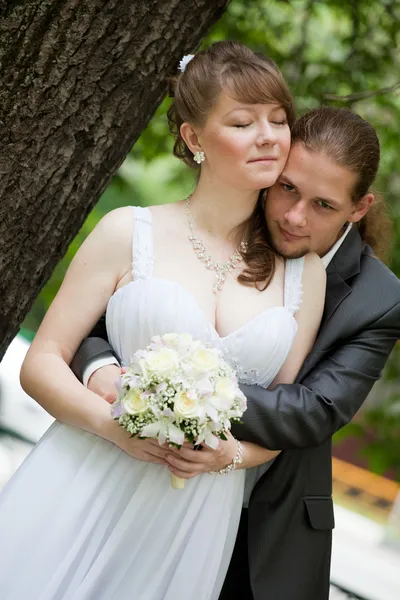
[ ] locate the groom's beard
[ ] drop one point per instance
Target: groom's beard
(285, 248)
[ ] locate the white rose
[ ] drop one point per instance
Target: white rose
(226, 388)
(143, 367)
(170, 339)
(204, 359)
(162, 361)
(220, 402)
(175, 340)
(133, 402)
(185, 339)
(186, 407)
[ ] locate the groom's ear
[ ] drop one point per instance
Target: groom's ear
(190, 136)
(361, 208)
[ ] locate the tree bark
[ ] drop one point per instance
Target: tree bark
(78, 83)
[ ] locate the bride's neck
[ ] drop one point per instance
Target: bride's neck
(218, 212)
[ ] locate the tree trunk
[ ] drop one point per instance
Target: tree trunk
(79, 80)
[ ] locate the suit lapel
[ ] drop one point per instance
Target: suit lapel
(336, 291)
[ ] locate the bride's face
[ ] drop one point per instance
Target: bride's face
(245, 145)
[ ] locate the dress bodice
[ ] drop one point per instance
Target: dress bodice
(152, 306)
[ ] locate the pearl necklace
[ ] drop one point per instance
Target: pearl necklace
(221, 270)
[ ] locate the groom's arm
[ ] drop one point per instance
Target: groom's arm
(307, 414)
(298, 415)
(94, 352)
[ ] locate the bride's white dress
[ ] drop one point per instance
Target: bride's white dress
(81, 520)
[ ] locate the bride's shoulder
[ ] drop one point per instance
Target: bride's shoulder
(172, 210)
(115, 227)
(168, 219)
(313, 263)
(314, 275)
(117, 216)
(109, 243)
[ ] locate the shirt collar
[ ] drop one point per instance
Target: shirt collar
(331, 253)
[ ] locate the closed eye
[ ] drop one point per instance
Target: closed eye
(242, 125)
(324, 205)
(287, 187)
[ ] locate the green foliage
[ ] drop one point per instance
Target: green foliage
(326, 50)
(335, 53)
(382, 426)
(378, 427)
(331, 52)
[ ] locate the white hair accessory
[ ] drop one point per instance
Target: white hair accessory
(185, 61)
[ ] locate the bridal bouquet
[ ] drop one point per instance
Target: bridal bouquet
(177, 390)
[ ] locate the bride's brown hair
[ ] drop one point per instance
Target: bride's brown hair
(251, 78)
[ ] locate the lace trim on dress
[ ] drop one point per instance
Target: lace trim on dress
(293, 293)
(246, 376)
(142, 244)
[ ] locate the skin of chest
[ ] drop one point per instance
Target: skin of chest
(228, 309)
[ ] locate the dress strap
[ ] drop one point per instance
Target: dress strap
(142, 243)
(293, 284)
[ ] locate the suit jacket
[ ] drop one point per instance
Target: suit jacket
(290, 510)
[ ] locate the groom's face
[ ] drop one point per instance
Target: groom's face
(309, 206)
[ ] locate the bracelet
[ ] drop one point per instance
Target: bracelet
(237, 460)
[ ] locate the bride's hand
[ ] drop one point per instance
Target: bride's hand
(147, 449)
(188, 463)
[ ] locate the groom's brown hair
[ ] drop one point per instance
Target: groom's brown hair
(352, 143)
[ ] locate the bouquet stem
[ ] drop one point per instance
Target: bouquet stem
(177, 482)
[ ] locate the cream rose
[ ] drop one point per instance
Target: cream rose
(185, 339)
(133, 403)
(186, 407)
(226, 388)
(162, 361)
(220, 402)
(171, 339)
(204, 359)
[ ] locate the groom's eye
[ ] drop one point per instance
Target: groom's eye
(323, 204)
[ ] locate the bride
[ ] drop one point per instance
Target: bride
(84, 518)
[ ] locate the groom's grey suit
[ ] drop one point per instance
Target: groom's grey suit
(290, 515)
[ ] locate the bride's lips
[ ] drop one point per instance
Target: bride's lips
(290, 237)
(264, 159)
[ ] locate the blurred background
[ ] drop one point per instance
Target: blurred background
(332, 53)
(343, 54)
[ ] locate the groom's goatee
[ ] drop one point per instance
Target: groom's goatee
(294, 254)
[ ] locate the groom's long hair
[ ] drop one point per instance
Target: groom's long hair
(352, 143)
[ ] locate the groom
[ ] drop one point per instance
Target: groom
(283, 546)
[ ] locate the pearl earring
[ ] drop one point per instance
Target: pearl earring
(199, 157)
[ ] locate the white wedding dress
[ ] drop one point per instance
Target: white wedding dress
(81, 520)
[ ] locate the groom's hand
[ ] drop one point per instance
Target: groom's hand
(102, 382)
(188, 463)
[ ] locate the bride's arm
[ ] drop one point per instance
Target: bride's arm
(89, 282)
(91, 279)
(308, 320)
